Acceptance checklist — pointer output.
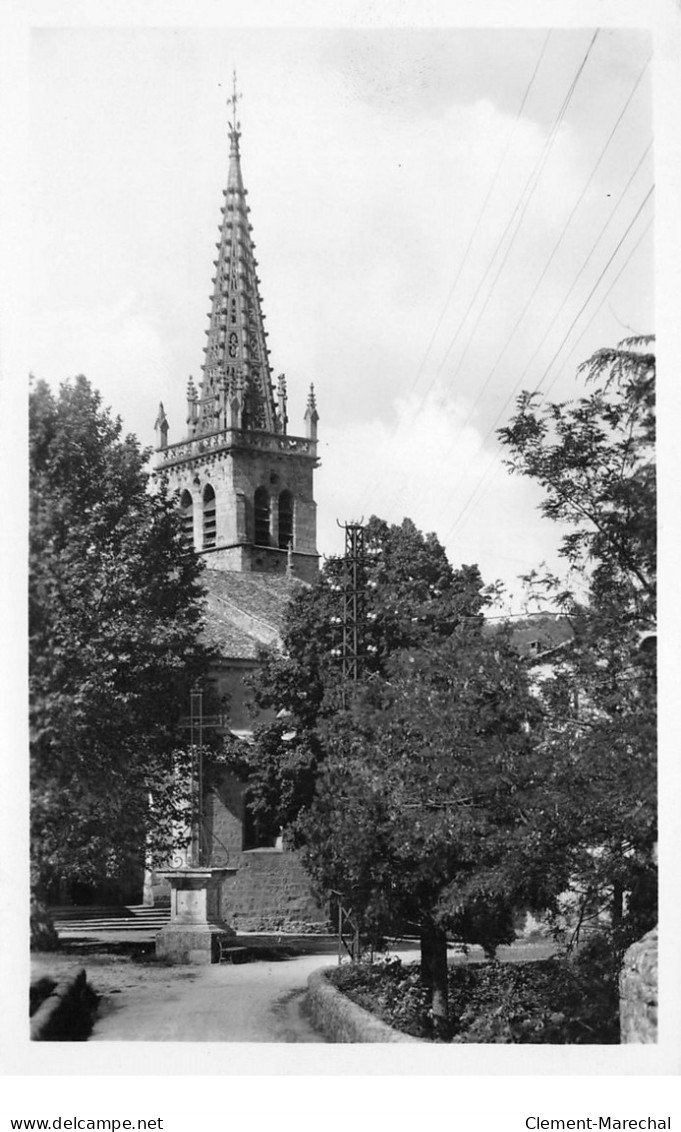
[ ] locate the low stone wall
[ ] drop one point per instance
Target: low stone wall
(270, 892)
(341, 1020)
(638, 991)
(67, 1012)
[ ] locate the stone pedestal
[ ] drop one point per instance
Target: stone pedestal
(196, 925)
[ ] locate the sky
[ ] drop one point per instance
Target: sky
(433, 236)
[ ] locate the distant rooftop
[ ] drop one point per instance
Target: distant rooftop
(540, 633)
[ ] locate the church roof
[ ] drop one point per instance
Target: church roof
(245, 612)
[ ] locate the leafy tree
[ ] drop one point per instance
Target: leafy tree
(114, 608)
(426, 797)
(411, 595)
(595, 459)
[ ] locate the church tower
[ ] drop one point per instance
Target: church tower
(245, 484)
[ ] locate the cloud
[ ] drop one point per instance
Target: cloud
(426, 464)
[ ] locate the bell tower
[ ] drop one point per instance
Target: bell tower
(245, 484)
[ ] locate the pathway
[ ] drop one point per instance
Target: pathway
(245, 1002)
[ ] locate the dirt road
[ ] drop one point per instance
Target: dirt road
(249, 1002)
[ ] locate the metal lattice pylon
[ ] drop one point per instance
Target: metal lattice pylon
(354, 602)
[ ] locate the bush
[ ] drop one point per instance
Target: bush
(390, 991)
(551, 1002)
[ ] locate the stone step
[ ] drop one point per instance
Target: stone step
(69, 921)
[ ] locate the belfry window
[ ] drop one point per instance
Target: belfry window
(262, 517)
(187, 519)
(209, 521)
(285, 520)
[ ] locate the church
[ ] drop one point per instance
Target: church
(245, 489)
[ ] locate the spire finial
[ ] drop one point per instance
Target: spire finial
(161, 427)
(311, 415)
(235, 126)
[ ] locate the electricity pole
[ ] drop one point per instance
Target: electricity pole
(353, 604)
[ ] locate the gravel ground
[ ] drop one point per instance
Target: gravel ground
(108, 973)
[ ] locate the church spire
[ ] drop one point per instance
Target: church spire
(245, 484)
(236, 367)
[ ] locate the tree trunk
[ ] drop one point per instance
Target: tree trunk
(617, 905)
(434, 968)
(426, 960)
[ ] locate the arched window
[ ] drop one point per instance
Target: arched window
(262, 517)
(285, 520)
(187, 519)
(209, 523)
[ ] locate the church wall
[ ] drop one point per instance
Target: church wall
(228, 680)
(223, 819)
(271, 892)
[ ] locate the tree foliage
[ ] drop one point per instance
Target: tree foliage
(428, 790)
(411, 595)
(114, 609)
(595, 459)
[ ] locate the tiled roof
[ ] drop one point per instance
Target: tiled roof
(244, 612)
(540, 634)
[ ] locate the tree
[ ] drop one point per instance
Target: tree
(426, 797)
(595, 459)
(411, 595)
(114, 610)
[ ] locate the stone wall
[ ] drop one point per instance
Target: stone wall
(235, 471)
(638, 991)
(271, 892)
(223, 817)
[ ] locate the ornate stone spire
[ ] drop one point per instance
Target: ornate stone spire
(161, 427)
(237, 361)
(311, 415)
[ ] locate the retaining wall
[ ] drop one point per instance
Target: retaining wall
(67, 1012)
(341, 1020)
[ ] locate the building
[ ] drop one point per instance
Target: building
(245, 486)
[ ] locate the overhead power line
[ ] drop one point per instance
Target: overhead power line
(495, 457)
(593, 289)
(586, 262)
(519, 211)
(603, 300)
(559, 242)
(482, 212)
(533, 177)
